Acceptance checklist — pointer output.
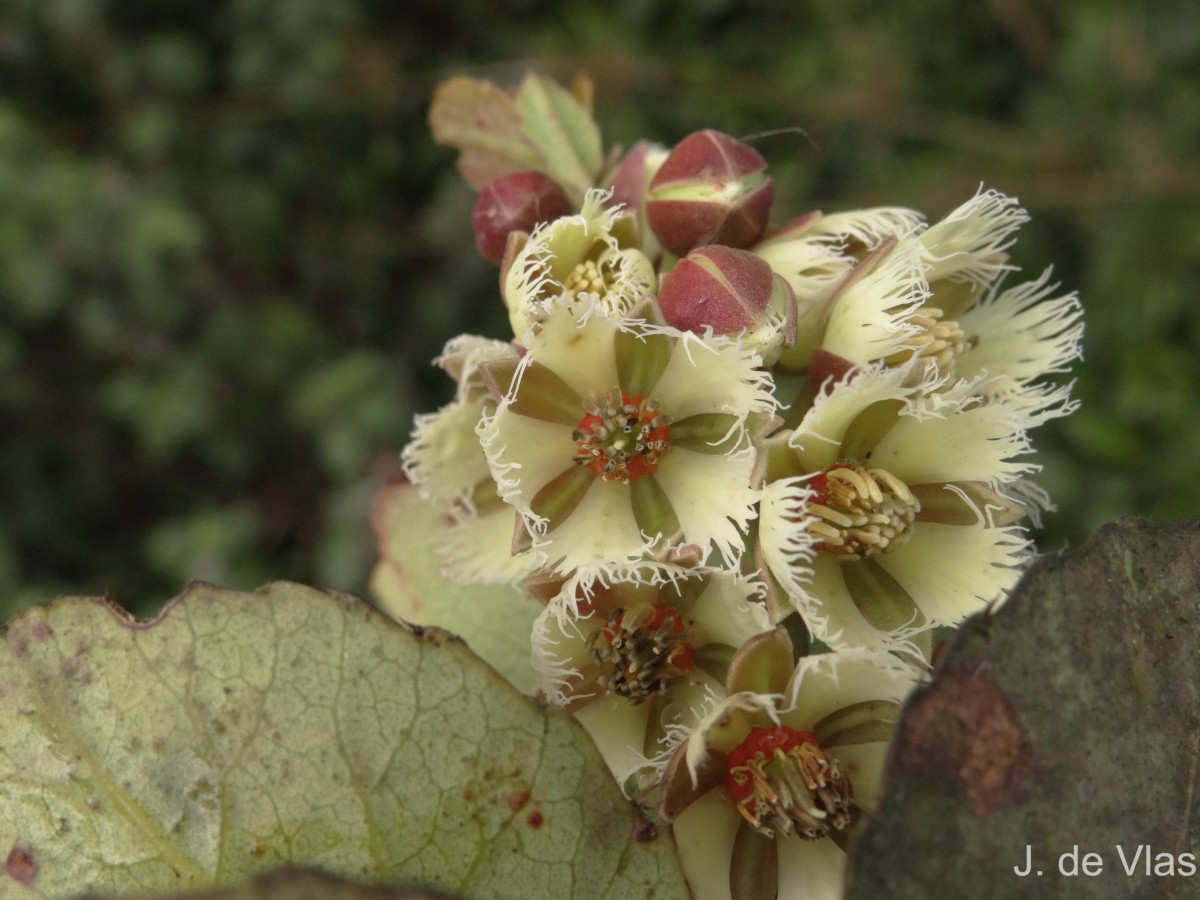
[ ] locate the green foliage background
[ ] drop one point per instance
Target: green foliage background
(229, 248)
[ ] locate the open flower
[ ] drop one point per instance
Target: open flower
(613, 437)
(815, 253)
(629, 655)
(1019, 336)
(934, 295)
(884, 517)
(766, 790)
(446, 462)
(576, 256)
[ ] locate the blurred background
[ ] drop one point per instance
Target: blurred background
(229, 248)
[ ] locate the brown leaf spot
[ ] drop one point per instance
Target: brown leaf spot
(20, 866)
(516, 800)
(41, 631)
(535, 819)
(963, 727)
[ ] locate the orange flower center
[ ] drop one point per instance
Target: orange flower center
(623, 436)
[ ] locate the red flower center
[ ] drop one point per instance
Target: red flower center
(783, 783)
(623, 436)
(645, 649)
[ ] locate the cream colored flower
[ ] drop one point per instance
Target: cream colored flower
(771, 783)
(893, 519)
(613, 438)
(934, 295)
(1020, 335)
(571, 257)
(815, 253)
(446, 462)
(631, 653)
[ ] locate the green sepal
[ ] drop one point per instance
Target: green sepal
(867, 429)
(953, 298)
(652, 509)
(711, 433)
(962, 502)
(559, 497)
(485, 498)
(497, 376)
(880, 598)
(542, 395)
(714, 660)
(763, 664)
(867, 722)
(753, 865)
(641, 360)
(678, 790)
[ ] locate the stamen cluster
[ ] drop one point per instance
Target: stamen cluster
(642, 651)
(623, 436)
(861, 512)
(783, 783)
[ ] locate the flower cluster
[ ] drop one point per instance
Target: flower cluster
(707, 437)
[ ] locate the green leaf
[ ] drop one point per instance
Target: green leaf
(241, 731)
(564, 131)
(481, 121)
(494, 619)
(297, 884)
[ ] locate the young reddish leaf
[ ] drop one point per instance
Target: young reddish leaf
(483, 123)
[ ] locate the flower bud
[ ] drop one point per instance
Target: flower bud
(517, 202)
(729, 291)
(629, 184)
(711, 189)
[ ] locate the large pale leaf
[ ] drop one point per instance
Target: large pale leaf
(1067, 723)
(238, 732)
(296, 884)
(494, 619)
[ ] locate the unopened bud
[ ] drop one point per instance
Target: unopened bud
(629, 184)
(711, 189)
(511, 203)
(729, 291)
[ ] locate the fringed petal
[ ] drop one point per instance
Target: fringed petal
(969, 244)
(1021, 334)
(957, 571)
(869, 319)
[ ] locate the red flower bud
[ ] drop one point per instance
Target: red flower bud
(711, 189)
(517, 202)
(632, 176)
(728, 290)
